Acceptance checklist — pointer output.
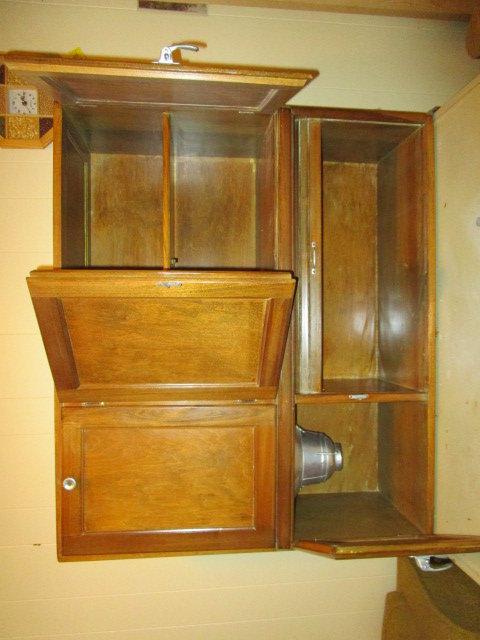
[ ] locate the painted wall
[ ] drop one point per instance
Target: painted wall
(364, 62)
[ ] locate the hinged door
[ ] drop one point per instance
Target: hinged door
(146, 84)
(149, 335)
(160, 479)
(391, 547)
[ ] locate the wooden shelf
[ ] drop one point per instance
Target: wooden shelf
(341, 516)
(360, 390)
(366, 525)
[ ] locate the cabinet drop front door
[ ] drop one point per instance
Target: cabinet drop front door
(152, 335)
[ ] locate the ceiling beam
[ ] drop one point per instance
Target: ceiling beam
(473, 34)
(434, 9)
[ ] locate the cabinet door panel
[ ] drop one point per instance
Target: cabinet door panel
(167, 479)
(141, 335)
(143, 82)
(387, 547)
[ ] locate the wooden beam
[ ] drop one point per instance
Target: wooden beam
(433, 9)
(473, 34)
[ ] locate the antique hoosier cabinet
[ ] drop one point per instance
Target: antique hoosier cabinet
(188, 201)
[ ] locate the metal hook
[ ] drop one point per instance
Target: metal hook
(166, 56)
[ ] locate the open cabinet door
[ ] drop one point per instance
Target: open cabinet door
(149, 335)
(366, 334)
(145, 83)
(392, 547)
(457, 135)
(367, 525)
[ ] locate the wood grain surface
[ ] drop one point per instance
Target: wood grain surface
(167, 478)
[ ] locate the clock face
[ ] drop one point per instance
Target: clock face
(22, 101)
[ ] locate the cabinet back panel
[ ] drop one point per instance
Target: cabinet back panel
(215, 212)
(349, 270)
(126, 216)
(405, 461)
(402, 244)
(168, 478)
(355, 427)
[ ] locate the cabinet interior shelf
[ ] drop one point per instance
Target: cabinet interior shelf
(356, 515)
(360, 390)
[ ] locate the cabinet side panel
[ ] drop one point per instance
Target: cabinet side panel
(74, 197)
(285, 404)
(308, 256)
(266, 199)
(402, 258)
(404, 461)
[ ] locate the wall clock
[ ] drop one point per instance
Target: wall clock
(26, 113)
(22, 101)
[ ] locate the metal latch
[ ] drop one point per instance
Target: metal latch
(166, 56)
(433, 563)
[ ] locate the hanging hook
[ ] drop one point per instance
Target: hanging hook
(166, 56)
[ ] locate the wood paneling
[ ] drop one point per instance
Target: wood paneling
(355, 427)
(361, 141)
(309, 257)
(359, 390)
(348, 517)
(349, 270)
(75, 200)
(190, 479)
(194, 343)
(403, 267)
(396, 546)
(178, 330)
(405, 461)
(285, 406)
(215, 212)
(91, 80)
(266, 196)
(126, 226)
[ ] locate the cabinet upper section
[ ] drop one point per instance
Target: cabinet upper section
(90, 81)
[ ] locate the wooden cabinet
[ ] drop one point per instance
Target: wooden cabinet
(165, 314)
(188, 206)
(364, 369)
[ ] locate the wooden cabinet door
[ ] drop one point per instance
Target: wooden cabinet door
(150, 335)
(419, 545)
(165, 479)
(90, 81)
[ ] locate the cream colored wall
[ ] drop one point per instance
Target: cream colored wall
(458, 207)
(364, 62)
